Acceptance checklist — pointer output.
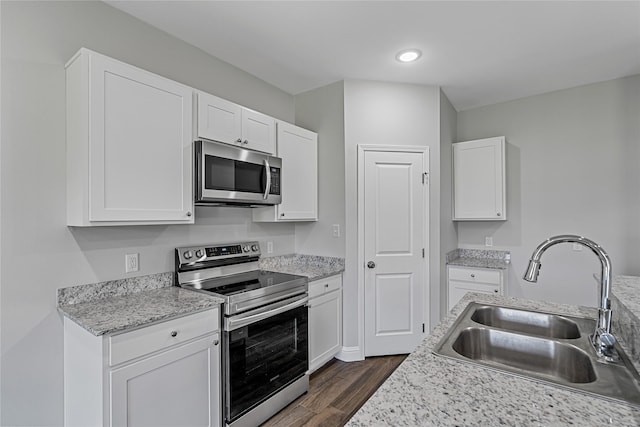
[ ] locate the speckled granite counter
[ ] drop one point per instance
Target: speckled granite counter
(312, 266)
(429, 390)
(108, 307)
(479, 258)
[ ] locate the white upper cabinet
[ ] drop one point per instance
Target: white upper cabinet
(129, 145)
(298, 149)
(223, 121)
(479, 191)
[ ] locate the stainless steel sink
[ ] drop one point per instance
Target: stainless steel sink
(528, 322)
(542, 346)
(540, 355)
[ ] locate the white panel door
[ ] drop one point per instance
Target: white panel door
(395, 227)
(140, 153)
(179, 387)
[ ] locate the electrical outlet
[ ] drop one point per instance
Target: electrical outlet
(336, 230)
(576, 247)
(269, 247)
(488, 241)
(131, 263)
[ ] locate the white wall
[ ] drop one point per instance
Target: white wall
(387, 114)
(572, 167)
(322, 110)
(37, 39)
(448, 228)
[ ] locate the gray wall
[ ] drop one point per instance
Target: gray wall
(572, 167)
(37, 39)
(448, 228)
(388, 114)
(322, 111)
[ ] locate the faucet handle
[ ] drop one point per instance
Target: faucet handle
(607, 341)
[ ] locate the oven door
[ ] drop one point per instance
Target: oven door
(265, 350)
(230, 175)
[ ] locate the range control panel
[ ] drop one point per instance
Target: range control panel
(191, 254)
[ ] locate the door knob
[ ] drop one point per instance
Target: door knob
(371, 264)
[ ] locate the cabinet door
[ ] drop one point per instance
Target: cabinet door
(258, 131)
(140, 161)
(479, 180)
(179, 387)
(219, 119)
(298, 149)
(325, 328)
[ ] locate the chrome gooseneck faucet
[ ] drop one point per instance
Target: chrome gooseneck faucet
(602, 340)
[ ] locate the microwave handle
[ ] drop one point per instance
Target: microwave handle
(267, 170)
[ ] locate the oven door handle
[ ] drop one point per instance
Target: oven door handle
(240, 321)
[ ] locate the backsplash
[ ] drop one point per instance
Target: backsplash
(478, 253)
(113, 288)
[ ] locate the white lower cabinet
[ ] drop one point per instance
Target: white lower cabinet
(167, 374)
(466, 279)
(325, 320)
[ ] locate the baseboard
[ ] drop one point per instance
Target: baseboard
(350, 354)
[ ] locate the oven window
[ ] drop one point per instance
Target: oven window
(264, 357)
(233, 175)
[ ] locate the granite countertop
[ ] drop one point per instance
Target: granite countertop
(430, 390)
(479, 258)
(108, 307)
(313, 266)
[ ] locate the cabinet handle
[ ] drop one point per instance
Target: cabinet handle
(174, 333)
(216, 342)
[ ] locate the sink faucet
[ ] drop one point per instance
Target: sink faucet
(602, 340)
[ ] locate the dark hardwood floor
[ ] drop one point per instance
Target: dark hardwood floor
(336, 392)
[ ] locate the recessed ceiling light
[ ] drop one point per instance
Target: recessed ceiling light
(408, 55)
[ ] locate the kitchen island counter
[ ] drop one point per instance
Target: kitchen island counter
(430, 390)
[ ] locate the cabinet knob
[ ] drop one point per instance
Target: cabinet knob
(498, 214)
(282, 214)
(326, 285)
(245, 142)
(174, 333)
(473, 275)
(216, 342)
(239, 140)
(189, 214)
(496, 291)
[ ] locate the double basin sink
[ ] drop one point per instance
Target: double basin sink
(546, 347)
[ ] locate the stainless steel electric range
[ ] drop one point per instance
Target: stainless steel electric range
(265, 355)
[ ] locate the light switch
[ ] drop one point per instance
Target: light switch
(336, 230)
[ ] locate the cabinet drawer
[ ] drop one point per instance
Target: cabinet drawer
(129, 345)
(322, 286)
(475, 275)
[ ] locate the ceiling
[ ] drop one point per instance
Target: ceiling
(479, 52)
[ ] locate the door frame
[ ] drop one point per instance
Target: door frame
(362, 149)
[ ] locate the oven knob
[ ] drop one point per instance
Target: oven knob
(187, 255)
(199, 253)
(254, 248)
(245, 248)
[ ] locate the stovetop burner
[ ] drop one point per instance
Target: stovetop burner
(232, 272)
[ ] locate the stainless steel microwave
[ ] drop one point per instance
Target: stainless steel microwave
(228, 175)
